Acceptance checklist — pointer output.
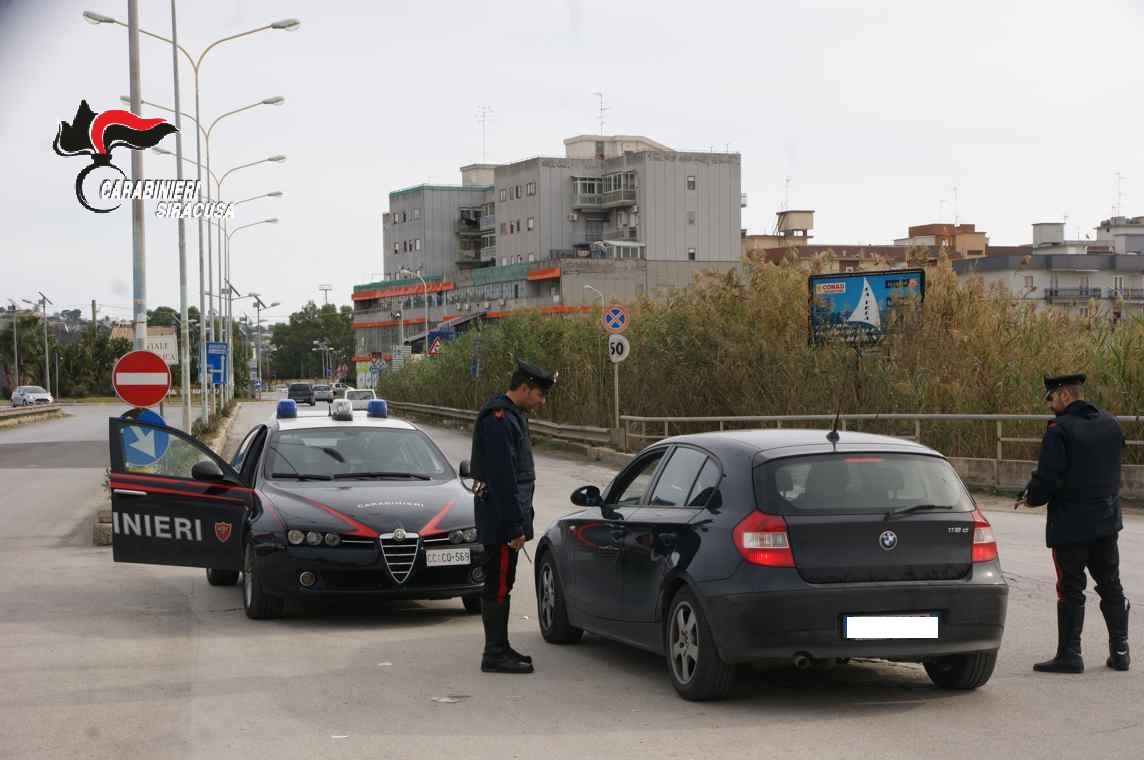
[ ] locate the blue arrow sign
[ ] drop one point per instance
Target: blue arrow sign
(216, 362)
(143, 446)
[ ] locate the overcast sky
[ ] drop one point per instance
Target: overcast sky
(874, 110)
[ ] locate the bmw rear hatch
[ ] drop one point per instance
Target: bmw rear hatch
(857, 517)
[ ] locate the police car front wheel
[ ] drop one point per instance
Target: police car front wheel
(221, 577)
(257, 603)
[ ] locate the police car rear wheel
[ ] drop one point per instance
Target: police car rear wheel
(221, 577)
(553, 615)
(257, 603)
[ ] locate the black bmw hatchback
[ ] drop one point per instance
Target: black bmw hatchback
(721, 549)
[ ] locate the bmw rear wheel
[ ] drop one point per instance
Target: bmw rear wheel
(553, 615)
(257, 603)
(697, 671)
(221, 577)
(962, 672)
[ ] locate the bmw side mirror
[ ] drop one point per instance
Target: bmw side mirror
(464, 469)
(208, 471)
(587, 496)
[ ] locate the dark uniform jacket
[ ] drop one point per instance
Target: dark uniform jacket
(1078, 476)
(502, 460)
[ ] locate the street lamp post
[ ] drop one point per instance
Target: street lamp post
(258, 307)
(425, 296)
(43, 302)
(196, 67)
(604, 353)
(15, 343)
(229, 319)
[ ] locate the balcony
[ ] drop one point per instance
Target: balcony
(1126, 294)
(466, 228)
(622, 233)
(610, 199)
(489, 222)
(1072, 294)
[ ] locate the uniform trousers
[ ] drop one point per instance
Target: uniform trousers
(1102, 559)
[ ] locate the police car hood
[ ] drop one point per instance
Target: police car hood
(370, 508)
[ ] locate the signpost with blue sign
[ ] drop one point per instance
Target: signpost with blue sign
(861, 307)
(216, 362)
(142, 446)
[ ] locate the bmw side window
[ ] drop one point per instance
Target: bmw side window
(633, 488)
(679, 474)
(706, 485)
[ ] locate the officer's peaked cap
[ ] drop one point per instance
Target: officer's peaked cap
(1059, 381)
(541, 378)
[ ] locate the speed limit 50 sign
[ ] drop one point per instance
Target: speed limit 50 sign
(618, 348)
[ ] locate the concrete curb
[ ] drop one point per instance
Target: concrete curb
(217, 442)
(51, 414)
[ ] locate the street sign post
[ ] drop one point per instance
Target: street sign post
(618, 348)
(615, 318)
(216, 362)
(142, 447)
(141, 378)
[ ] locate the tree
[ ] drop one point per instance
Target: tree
(293, 341)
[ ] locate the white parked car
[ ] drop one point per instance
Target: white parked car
(360, 397)
(323, 393)
(29, 395)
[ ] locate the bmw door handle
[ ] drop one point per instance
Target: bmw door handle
(126, 492)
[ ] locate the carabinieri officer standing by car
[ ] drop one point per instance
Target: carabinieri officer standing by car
(504, 482)
(1078, 476)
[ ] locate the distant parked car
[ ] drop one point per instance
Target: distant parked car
(360, 397)
(340, 390)
(30, 395)
(303, 393)
(323, 393)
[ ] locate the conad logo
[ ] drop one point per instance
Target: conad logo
(830, 287)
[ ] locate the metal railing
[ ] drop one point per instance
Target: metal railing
(1128, 294)
(722, 423)
(1073, 292)
(572, 433)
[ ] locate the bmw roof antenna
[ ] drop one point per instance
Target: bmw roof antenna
(833, 436)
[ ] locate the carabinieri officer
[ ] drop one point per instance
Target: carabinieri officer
(504, 483)
(1078, 476)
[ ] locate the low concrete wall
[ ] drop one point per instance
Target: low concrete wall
(21, 415)
(1014, 475)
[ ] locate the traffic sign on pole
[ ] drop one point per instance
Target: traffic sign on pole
(618, 348)
(216, 362)
(615, 318)
(141, 378)
(142, 447)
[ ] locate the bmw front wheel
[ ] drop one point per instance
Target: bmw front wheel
(551, 610)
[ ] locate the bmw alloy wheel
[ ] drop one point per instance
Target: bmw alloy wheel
(684, 638)
(547, 597)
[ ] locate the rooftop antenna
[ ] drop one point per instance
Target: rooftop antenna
(603, 110)
(483, 117)
(1118, 209)
(956, 216)
(786, 194)
(833, 436)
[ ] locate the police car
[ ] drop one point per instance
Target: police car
(332, 503)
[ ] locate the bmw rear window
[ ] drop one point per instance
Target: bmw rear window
(856, 483)
(299, 388)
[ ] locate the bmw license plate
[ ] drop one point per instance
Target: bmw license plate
(924, 626)
(443, 557)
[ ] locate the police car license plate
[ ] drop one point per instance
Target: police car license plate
(442, 557)
(890, 626)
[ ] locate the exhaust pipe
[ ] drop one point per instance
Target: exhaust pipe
(802, 661)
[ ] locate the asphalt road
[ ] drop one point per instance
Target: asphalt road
(104, 660)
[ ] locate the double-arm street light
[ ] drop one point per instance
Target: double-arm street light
(405, 272)
(196, 67)
(230, 305)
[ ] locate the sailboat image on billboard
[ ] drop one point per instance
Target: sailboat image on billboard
(866, 312)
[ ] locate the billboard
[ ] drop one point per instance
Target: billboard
(861, 306)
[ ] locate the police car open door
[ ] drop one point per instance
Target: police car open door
(173, 501)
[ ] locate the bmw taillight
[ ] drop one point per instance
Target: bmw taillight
(762, 540)
(984, 542)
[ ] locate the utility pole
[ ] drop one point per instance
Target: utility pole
(44, 301)
(94, 330)
(15, 344)
(325, 287)
(483, 117)
(184, 324)
(139, 302)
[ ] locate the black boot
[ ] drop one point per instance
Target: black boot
(498, 656)
(1116, 616)
(1070, 623)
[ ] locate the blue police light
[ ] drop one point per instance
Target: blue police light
(287, 409)
(377, 408)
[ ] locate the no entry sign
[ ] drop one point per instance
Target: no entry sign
(141, 378)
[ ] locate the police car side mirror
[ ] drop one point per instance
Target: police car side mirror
(208, 471)
(464, 469)
(587, 496)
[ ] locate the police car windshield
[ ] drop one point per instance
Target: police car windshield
(348, 452)
(890, 483)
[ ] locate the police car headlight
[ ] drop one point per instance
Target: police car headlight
(313, 538)
(470, 535)
(333, 539)
(295, 537)
(456, 536)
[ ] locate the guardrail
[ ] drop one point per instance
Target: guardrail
(573, 433)
(19, 412)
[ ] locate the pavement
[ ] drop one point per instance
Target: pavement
(101, 660)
